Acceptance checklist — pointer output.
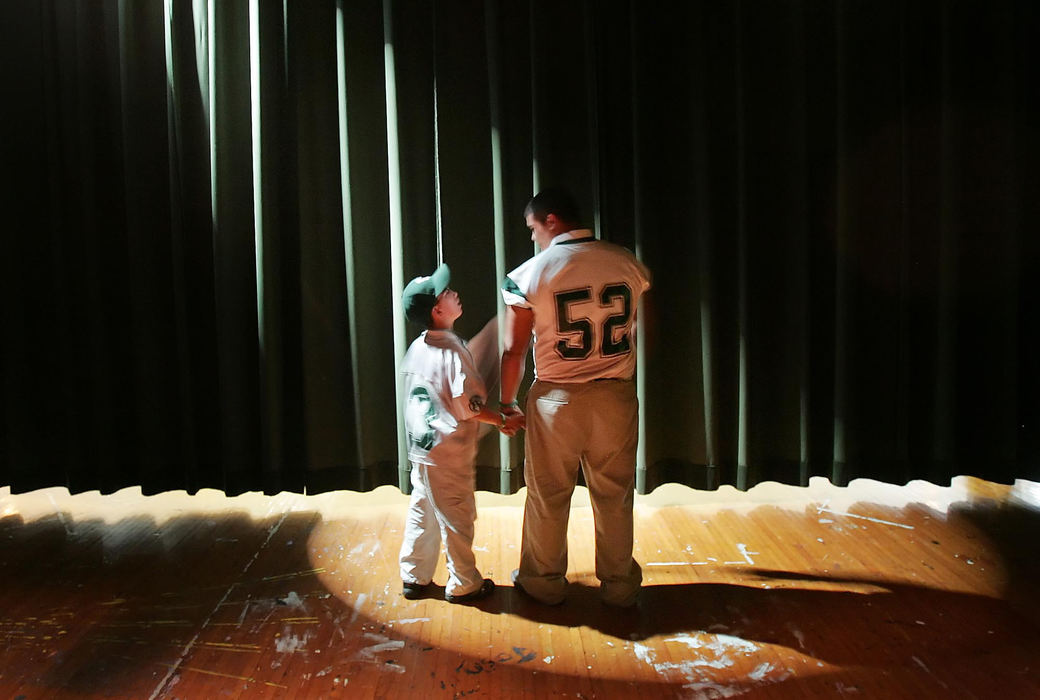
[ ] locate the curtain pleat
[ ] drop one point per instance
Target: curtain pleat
(216, 206)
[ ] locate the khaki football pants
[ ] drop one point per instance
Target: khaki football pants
(594, 425)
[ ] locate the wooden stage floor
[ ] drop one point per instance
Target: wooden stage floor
(870, 591)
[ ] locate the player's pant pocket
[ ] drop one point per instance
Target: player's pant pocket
(552, 403)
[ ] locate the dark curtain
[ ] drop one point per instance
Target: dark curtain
(212, 207)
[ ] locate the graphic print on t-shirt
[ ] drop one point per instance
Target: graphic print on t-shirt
(419, 413)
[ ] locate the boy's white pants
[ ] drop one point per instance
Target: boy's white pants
(442, 505)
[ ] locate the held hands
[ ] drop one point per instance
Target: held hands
(511, 423)
(513, 419)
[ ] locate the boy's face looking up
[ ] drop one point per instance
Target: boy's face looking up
(447, 309)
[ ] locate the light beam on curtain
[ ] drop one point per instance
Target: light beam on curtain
(348, 226)
(396, 242)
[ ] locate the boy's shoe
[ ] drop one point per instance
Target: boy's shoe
(486, 589)
(412, 591)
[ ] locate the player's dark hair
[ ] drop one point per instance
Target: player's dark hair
(553, 200)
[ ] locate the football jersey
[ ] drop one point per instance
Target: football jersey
(583, 293)
(443, 391)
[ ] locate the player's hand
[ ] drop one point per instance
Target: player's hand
(514, 423)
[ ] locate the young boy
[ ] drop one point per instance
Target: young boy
(445, 400)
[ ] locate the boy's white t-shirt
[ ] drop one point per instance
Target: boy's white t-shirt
(443, 391)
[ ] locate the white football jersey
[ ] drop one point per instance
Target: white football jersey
(443, 391)
(584, 294)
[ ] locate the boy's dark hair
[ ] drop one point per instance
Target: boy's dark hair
(553, 200)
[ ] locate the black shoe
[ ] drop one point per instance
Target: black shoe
(486, 589)
(627, 605)
(413, 591)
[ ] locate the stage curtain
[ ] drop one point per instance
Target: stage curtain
(212, 207)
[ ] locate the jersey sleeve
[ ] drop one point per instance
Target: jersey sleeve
(517, 286)
(644, 272)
